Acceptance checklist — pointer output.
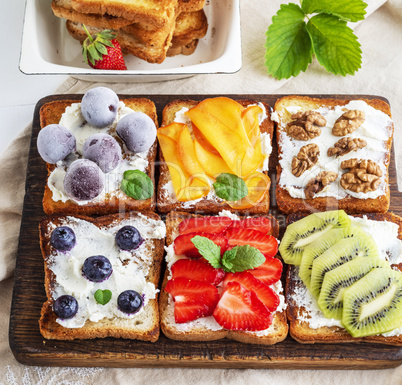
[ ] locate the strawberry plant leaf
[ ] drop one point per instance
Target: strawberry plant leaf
(335, 45)
(350, 10)
(288, 45)
(209, 250)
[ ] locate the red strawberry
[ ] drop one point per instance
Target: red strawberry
(197, 270)
(265, 294)
(212, 225)
(183, 245)
(192, 299)
(262, 224)
(269, 272)
(240, 309)
(103, 51)
(267, 244)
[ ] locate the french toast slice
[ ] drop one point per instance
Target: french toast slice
(137, 269)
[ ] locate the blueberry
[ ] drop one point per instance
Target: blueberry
(129, 301)
(97, 268)
(65, 307)
(104, 150)
(62, 238)
(137, 130)
(128, 238)
(54, 143)
(99, 106)
(84, 180)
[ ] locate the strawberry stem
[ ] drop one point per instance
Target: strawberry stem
(89, 35)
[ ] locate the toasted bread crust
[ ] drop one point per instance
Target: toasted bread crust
(50, 113)
(287, 204)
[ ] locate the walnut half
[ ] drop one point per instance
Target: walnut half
(305, 125)
(345, 145)
(363, 175)
(305, 159)
(350, 121)
(317, 184)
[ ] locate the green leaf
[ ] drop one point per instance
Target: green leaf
(136, 184)
(103, 296)
(288, 45)
(208, 249)
(242, 258)
(230, 187)
(350, 10)
(335, 45)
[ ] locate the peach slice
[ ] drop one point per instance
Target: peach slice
(203, 141)
(172, 130)
(196, 188)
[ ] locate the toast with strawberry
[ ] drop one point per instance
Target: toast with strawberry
(202, 300)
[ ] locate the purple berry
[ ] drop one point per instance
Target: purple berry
(65, 307)
(63, 238)
(99, 106)
(129, 301)
(54, 143)
(104, 150)
(97, 268)
(137, 130)
(128, 238)
(84, 180)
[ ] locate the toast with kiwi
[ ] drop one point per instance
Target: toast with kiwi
(112, 199)
(350, 287)
(101, 276)
(257, 199)
(207, 328)
(333, 154)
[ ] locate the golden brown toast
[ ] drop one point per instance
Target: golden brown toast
(298, 315)
(346, 200)
(198, 331)
(147, 258)
(166, 199)
(50, 113)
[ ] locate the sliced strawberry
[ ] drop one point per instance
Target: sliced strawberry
(266, 295)
(192, 299)
(197, 270)
(183, 245)
(240, 309)
(262, 224)
(267, 244)
(269, 272)
(212, 225)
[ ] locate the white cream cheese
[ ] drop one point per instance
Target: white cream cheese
(129, 268)
(376, 130)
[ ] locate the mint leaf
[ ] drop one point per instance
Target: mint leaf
(209, 250)
(242, 258)
(230, 187)
(136, 184)
(288, 45)
(103, 296)
(335, 45)
(349, 10)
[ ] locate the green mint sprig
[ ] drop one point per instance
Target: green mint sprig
(291, 42)
(136, 184)
(230, 187)
(240, 258)
(103, 296)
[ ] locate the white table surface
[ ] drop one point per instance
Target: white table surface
(19, 92)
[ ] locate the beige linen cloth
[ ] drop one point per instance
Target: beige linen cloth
(380, 36)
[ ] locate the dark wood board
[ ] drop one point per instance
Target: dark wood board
(29, 347)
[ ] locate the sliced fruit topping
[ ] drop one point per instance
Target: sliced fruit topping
(198, 270)
(265, 294)
(241, 309)
(193, 299)
(262, 224)
(212, 225)
(183, 245)
(266, 244)
(269, 272)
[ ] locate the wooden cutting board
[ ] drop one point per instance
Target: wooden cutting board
(29, 347)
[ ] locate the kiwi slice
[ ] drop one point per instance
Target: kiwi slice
(341, 252)
(373, 305)
(338, 280)
(305, 231)
(316, 248)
